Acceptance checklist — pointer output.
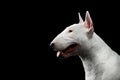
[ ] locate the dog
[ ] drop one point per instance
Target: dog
(100, 62)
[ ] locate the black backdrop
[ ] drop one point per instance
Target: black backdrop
(38, 23)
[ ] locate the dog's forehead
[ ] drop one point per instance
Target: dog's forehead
(74, 26)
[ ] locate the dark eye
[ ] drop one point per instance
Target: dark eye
(70, 30)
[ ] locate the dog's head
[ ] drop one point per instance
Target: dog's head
(74, 38)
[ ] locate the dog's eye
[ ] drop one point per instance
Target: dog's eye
(70, 31)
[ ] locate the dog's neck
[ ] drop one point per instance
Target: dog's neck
(95, 57)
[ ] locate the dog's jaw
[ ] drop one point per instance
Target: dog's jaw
(67, 51)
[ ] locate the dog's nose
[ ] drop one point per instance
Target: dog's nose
(52, 45)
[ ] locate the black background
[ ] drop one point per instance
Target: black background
(35, 24)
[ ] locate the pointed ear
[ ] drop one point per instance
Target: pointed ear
(89, 24)
(80, 18)
(88, 21)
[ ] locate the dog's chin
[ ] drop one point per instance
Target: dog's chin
(69, 51)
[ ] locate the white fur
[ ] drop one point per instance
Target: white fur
(99, 60)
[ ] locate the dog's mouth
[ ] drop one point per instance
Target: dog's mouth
(67, 51)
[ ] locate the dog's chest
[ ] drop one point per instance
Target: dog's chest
(93, 71)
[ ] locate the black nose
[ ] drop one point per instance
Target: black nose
(52, 45)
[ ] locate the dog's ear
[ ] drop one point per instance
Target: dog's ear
(80, 18)
(89, 24)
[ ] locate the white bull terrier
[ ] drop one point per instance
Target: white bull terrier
(100, 62)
